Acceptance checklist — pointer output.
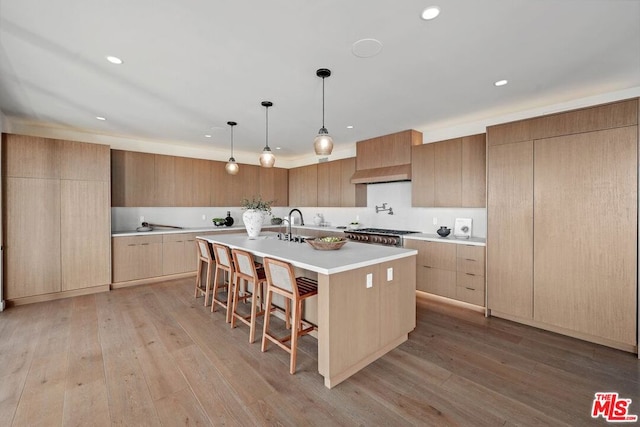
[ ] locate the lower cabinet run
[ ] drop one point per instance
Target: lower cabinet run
(452, 270)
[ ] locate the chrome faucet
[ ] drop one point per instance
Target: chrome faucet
(291, 220)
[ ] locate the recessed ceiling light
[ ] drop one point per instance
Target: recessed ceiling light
(114, 60)
(100, 118)
(430, 13)
(207, 136)
(350, 127)
(501, 83)
(278, 148)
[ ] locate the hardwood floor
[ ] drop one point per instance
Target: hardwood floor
(153, 355)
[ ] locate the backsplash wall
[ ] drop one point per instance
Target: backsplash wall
(396, 195)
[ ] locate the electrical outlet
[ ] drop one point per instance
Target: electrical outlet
(204, 217)
(369, 280)
(435, 221)
(389, 274)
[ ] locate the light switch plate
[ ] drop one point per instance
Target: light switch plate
(389, 274)
(369, 280)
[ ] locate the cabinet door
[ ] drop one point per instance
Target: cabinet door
(397, 298)
(178, 253)
(86, 234)
(423, 175)
(221, 185)
(32, 237)
(510, 229)
(447, 169)
(274, 185)
(245, 185)
(470, 288)
(585, 225)
(329, 183)
(84, 161)
(352, 195)
(437, 281)
(200, 185)
(164, 180)
(30, 157)
(136, 257)
(440, 255)
(474, 171)
(132, 179)
(303, 186)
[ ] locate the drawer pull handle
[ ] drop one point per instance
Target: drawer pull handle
(469, 259)
(131, 244)
(471, 289)
(470, 274)
(426, 266)
(144, 244)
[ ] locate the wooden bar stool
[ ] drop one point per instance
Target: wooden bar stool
(250, 272)
(224, 265)
(205, 258)
(281, 280)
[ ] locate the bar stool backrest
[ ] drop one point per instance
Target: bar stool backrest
(222, 254)
(205, 249)
(280, 275)
(244, 262)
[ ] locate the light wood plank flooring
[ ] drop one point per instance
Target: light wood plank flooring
(153, 355)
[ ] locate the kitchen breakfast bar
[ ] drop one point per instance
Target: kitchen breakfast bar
(366, 303)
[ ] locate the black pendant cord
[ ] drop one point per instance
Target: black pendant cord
(323, 102)
(267, 127)
(231, 141)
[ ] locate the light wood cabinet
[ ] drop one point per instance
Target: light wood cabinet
(449, 173)
(132, 179)
(274, 185)
(136, 257)
(164, 181)
(246, 184)
(178, 253)
(85, 234)
(32, 237)
(388, 150)
(220, 185)
(586, 187)
(303, 186)
(334, 185)
(562, 222)
(510, 229)
(452, 270)
(56, 218)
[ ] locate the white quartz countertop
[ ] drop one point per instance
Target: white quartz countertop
(185, 230)
(475, 241)
(351, 256)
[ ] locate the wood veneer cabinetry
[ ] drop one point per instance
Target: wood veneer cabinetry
(137, 257)
(132, 179)
(303, 186)
(562, 222)
(335, 187)
(449, 173)
(388, 150)
(452, 270)
(274, 185)
(57, 218)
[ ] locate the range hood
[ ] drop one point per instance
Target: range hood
(385, 158)
(383, 174)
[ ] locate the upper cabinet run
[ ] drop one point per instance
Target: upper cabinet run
(326, 184)
(143, 180)
(450, 173)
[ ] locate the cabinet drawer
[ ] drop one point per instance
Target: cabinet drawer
(471, 252)
(178, 237)
(436, 281)
(470, 259)
(470, 288)
(137, 240)
(440, 255)
(471, 266)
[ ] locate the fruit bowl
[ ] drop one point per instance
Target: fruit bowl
(329, 243)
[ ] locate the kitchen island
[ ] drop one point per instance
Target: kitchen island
(365, 305)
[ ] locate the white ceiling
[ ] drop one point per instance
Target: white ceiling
(192, 65)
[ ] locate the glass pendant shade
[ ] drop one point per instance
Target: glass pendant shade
(323, 144)
(267, 159)
(232, 167)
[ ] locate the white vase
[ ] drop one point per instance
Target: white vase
(253, 220)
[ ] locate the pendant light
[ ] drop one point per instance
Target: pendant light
(323, 143)
(267, 159)
(232, 167)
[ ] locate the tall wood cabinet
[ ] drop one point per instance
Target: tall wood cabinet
(562, 222)
(57, 219)
(303, 186)
(334, 185)
(449, 173)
